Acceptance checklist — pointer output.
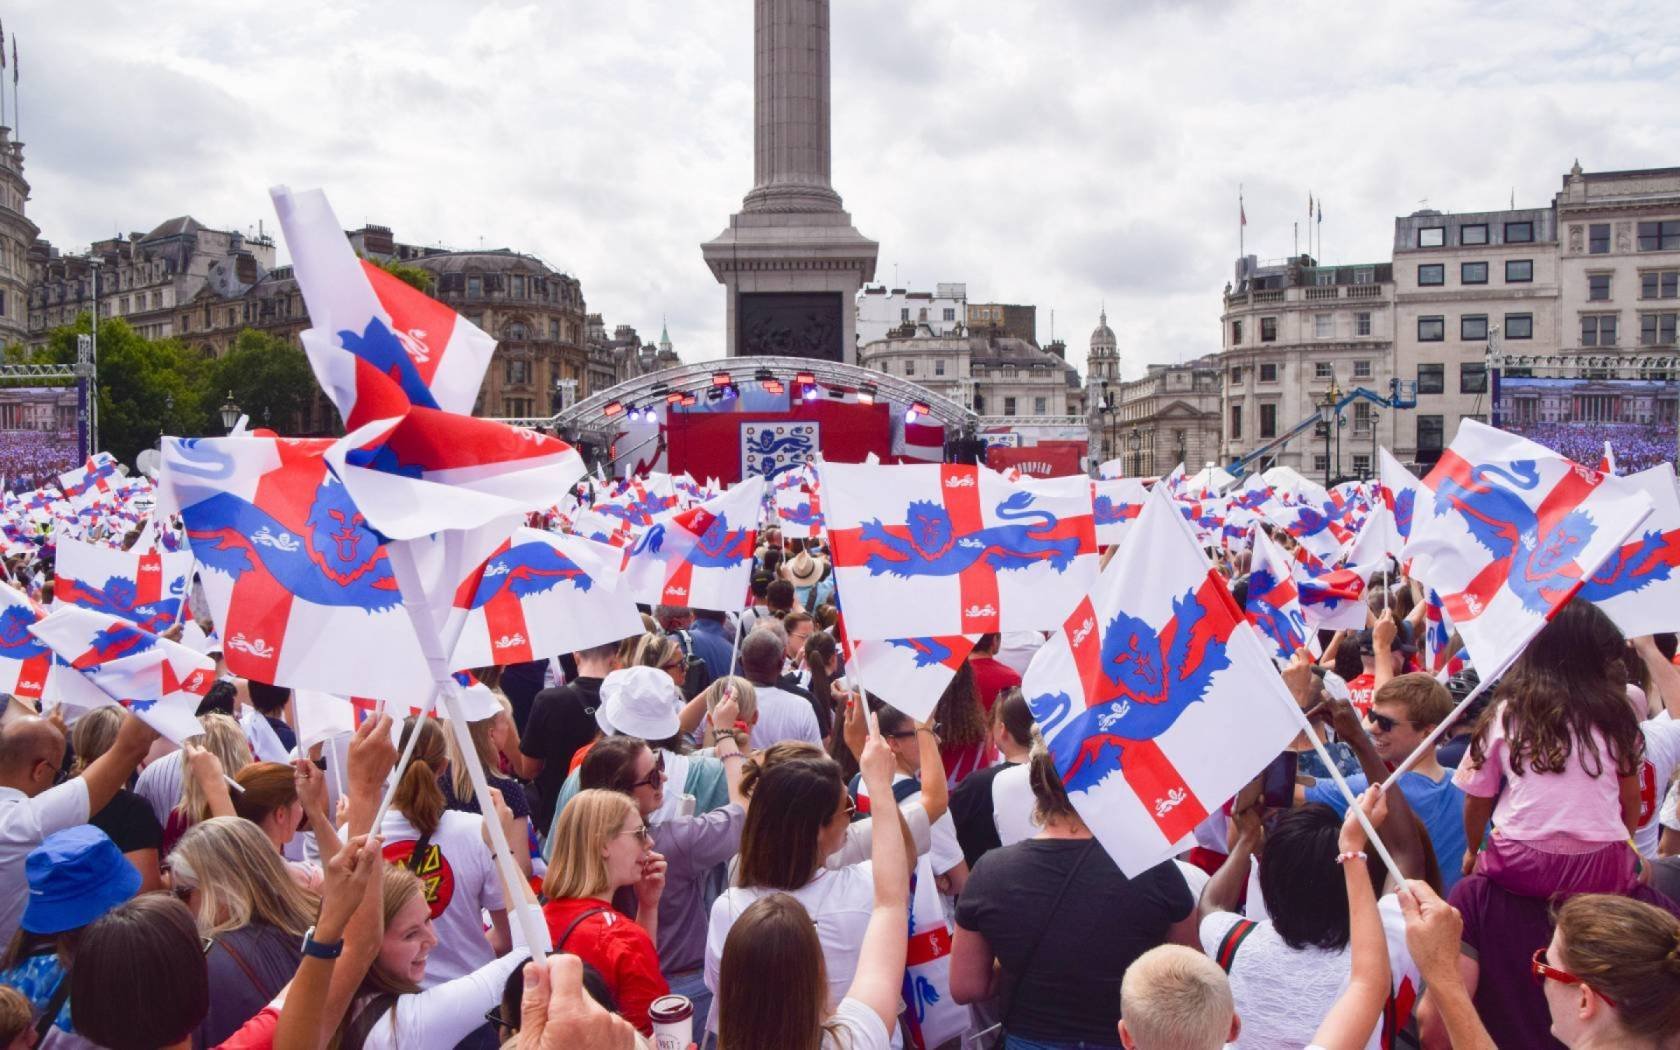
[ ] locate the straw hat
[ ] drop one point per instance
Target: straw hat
(804, 570)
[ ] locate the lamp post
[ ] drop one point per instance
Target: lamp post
(1134, 440)
(1373, 471)
(230, 413)
(1106, 408)
(1327, 417)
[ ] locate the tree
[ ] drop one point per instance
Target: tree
(268, 378)
(419, 277)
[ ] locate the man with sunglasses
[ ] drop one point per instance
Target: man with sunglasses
(1402, 715)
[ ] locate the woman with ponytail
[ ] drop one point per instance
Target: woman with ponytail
(448, 850)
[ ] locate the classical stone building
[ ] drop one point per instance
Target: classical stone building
(1464, 283)
(622, 355)
(1002, 379)
(17, 234)
(1014, 320)
(1293, 330)
(1152, 424)
(881, 310)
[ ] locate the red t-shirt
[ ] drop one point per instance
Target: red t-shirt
(611, 942)
(992, 678)
(255, 1034)
(1360, 691)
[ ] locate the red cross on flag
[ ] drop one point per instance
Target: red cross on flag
(1156, 698)
(700, 557)
(931, 551)
(1507, 531)
(1639, 586)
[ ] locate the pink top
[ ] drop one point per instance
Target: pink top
(1535, 807)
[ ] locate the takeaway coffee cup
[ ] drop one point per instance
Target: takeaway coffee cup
(673, 1022)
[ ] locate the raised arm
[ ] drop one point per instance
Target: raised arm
(1665, 677)
(880, 969)
(936, 786)
(1245, 837)
(203, 766)
(721, 726)
(345, 883)
(1354, 1016)
(1434, 933)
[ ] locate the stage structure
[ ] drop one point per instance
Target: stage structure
(735, 417)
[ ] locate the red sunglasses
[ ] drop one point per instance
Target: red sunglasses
(1543, 973)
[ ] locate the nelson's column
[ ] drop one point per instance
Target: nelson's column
(790, 261)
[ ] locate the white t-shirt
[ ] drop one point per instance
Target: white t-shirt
(1012, 805)
(160, 785)
(858, 836)
(784, 716)
(24, 822)
(459, 873)
(839, 902)
(858, 1028)
(1287, 1012)
(1662, 757)
(944, 852)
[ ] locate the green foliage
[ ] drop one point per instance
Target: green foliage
(408, 274)
(267, 377)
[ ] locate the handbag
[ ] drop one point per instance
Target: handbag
(995, 1037)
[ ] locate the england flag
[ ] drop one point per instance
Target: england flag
(1157, 699)
(144, 587)
(160, 681)
(1115, 504)
(1401, 492)
(24, 660)
(909, 673)
(700, 557)
(97, 475)
(931, 551)
(1509, 533)
(1273, 605)
(1638, 586)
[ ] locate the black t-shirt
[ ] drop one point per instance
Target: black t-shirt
(1071, 990)
(971, 812)
(130, 823)
(562, 720)
(520, 684)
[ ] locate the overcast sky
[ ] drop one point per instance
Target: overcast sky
(1059, 152)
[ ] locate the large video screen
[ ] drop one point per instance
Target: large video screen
(1577, 416)
(40, 435)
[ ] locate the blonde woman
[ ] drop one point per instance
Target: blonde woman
(601, 846)
(223, 738)
(458, 793)
(249, 908)
(126, 818)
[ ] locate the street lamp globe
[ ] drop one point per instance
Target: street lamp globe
(230, 412)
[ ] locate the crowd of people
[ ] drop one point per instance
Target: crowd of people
(723, 836)
(1636, 446)
(30, 459)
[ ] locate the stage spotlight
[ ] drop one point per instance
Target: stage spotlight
(721, 379)
(866, 394)
(773, 386)
(612, 408)
(916, 411)
(689, 400)
(674, 398)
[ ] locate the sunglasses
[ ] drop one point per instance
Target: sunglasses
(656, 776)
(1385, 723)
(643, 835)
(1543, 973)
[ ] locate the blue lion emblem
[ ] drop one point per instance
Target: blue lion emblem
(1539, 565)
(526, 569)
(1404, 502)
(1650, 559)
(803, 514)
(932, 547)
(379, 347)
(1105, 511)
(338, 561)
(928, 651)
(1148, 680)
(118, 597)
(16, 643)
(648, 542)
(1308, 522)
(718, 547)
(1267, 598)
(113, 643)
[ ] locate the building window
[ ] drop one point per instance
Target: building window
(1431, 236)
(1519, 326)
(939, 364)
(1598, 330)
(515, 333)
(1473, 328)
(1361, 417)
(1236, 376)
(1362, 464)
(1268, 420)
(1236, 333)
(1039, 406)
(517, 286)
(475, 285)
(1519, 232)
(1268, 372)
(1656, 329)
(1472, 378)
(1598, 238)
(1321, 463)
(1432, 274)
(1324, 326)
(1659, 236)
(1519, 271)
(909, 366)
(1472, 273)
(1598, 287)
(904, 315)
(554, 329)
(1008, 406)
(1473, 233)
(1323, 370)
(1362, 370)
(1324, 278)
(1365, 275)
(517, 371)
(1268, 329)
(1659, 284)
(950, 314)
(1431, 434)
(1362, 323)
(1432, 329)
(1236, 422)
(1431, 379)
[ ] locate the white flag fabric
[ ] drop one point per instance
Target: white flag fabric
(701, 557)
(1115, 504)
(1156, 698)
(910, 673)
(161, 681)
(1638, 586)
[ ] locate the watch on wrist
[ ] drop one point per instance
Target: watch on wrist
(314, 949)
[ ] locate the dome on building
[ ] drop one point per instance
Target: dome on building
(1103, 343)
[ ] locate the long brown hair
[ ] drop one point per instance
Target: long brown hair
(791, 802)
(1629, 952)
(1567, 684)
(268, 786)
(961, 716)
(774, 935)
(418, 796)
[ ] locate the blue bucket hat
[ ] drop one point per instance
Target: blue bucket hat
(75, 876)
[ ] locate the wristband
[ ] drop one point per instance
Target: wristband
(1358, 855)
(316, 950)
(732, 754)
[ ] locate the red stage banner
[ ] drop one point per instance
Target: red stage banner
(710, 444)
(1047, 459)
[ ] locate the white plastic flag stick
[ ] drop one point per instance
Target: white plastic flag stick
(402, 760)
(417, 602)
(735, 652)
(1446, 723)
